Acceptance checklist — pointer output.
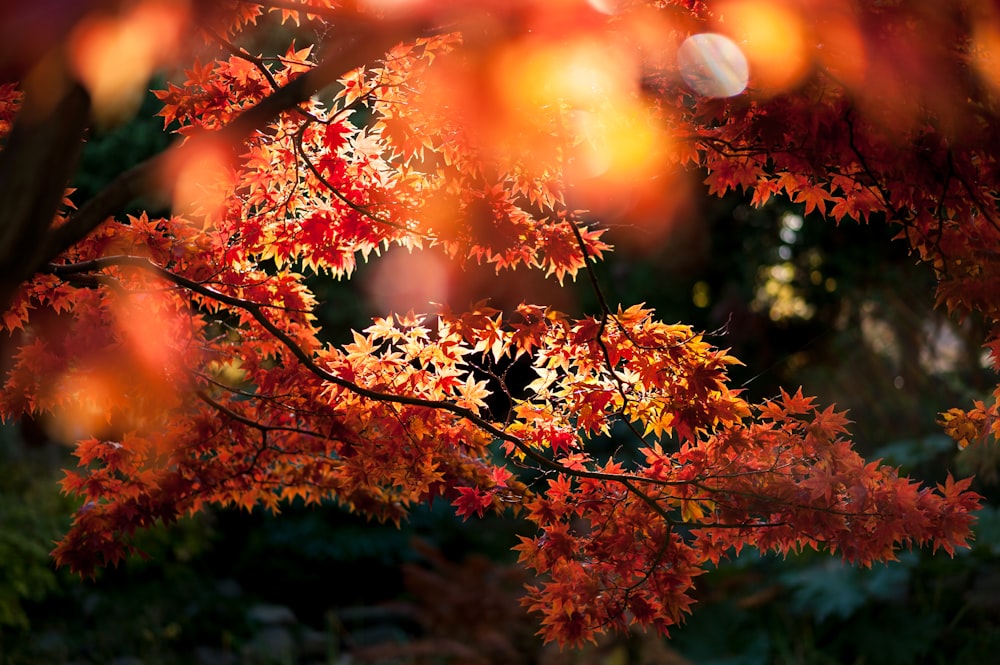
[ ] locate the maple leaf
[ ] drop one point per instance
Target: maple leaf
(408, 130)
(815, 198)
(472, 501)
(472, 394)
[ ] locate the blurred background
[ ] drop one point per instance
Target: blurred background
(840, 310)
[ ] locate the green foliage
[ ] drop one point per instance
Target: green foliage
(831, 588)
(107, 154)
(808, 609)
(911, 453)
(32, 514)
(727, 635)
(987, 531)
(25, 573)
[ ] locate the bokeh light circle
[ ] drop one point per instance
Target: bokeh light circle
(713, 65)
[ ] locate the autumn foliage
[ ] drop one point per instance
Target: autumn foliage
(180, 354)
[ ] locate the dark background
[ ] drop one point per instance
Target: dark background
(841, 310)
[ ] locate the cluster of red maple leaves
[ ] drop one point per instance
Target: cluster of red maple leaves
(180, 354)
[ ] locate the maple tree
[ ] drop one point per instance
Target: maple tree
(180, 353)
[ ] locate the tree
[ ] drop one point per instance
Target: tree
(178, 349)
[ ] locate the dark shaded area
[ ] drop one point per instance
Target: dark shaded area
(839, 310)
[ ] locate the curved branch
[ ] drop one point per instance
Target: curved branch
(363, 40)
(36, 163)
(356, 207)
(629, 481)
(256, 310)
(249, 422)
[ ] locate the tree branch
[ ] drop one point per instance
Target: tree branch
(629, 481)
(36, 162)
(256, 310)
(363, 40)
